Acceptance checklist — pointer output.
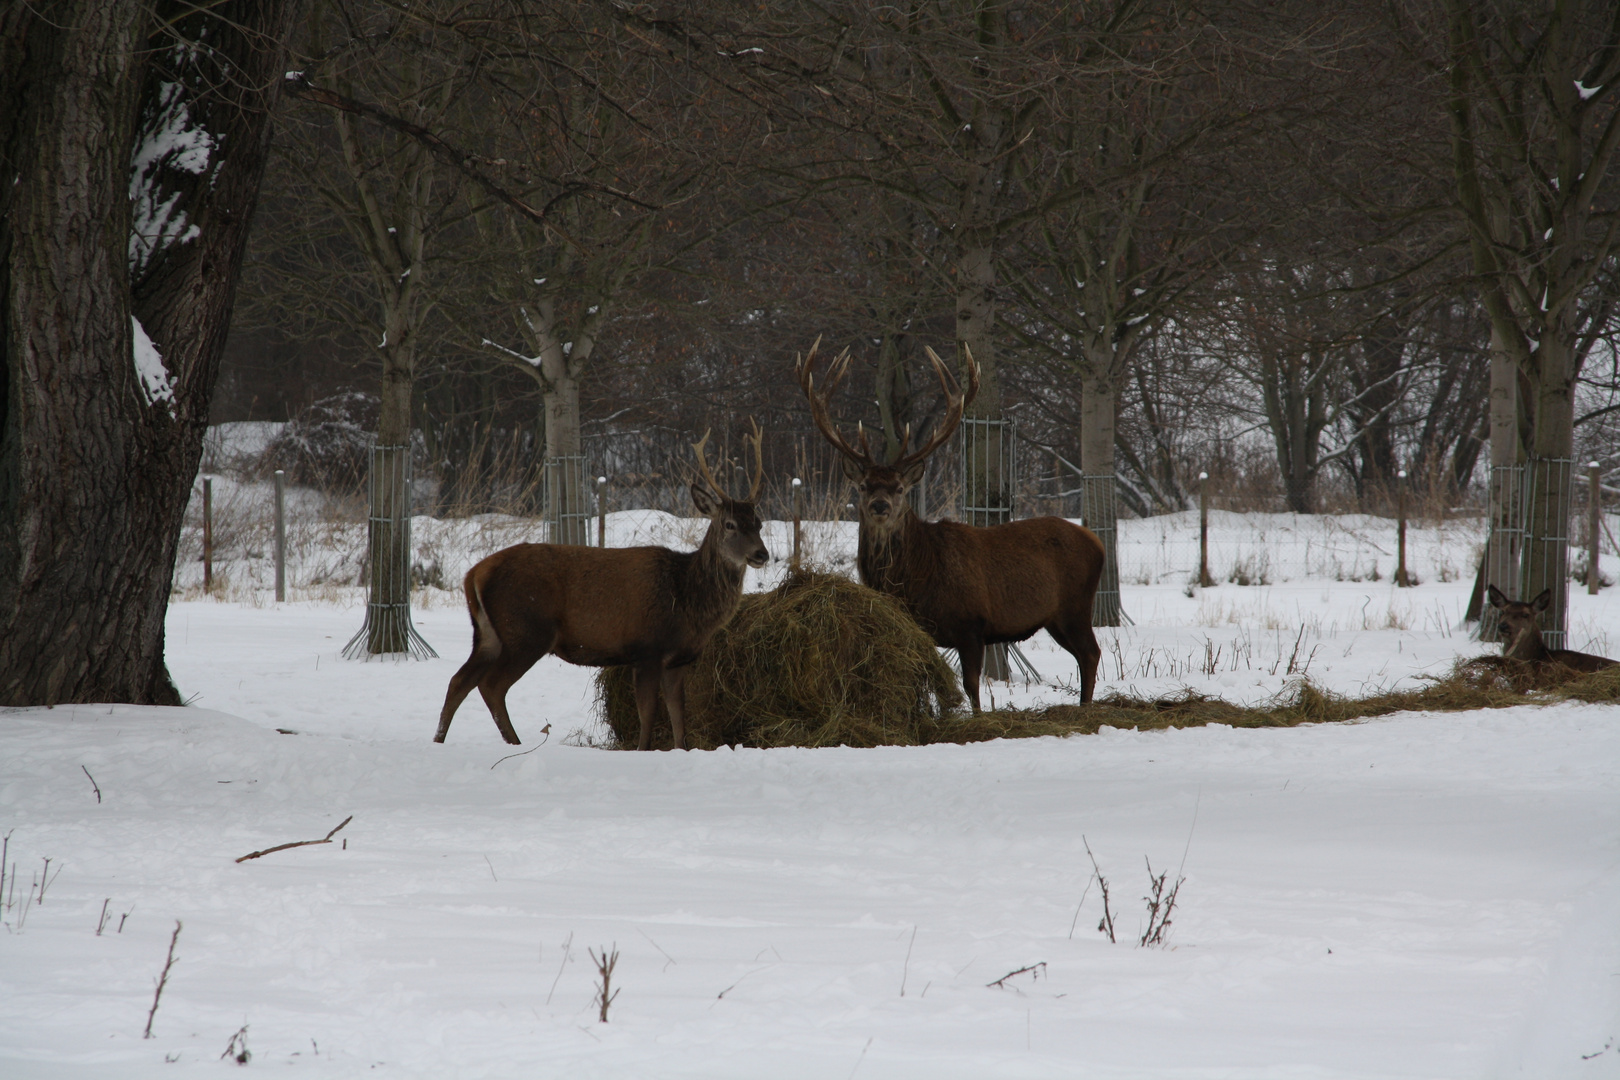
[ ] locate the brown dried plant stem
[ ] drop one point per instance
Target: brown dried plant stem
(605, 963)
(297, 843)
(163, 980)
(1106, 925)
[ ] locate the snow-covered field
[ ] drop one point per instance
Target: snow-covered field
(1415, 896)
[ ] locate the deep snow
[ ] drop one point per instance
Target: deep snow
(1416, 896)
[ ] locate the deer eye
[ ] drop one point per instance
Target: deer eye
(731, 526)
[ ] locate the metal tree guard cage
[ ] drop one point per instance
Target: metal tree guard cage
(388, 629)
(1548, 500)
(989, 483)
(568, 510)
(1099, 510)
(1504, 542)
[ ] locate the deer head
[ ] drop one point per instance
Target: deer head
(882, 488)
(1520, 623)
(733, 523)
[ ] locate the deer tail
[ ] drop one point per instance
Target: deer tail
(486, 642)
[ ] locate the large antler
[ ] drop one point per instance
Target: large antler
(818, 402)
(955, 402)
(703, 463)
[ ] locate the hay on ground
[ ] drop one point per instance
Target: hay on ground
(803, 666)
(819, 661)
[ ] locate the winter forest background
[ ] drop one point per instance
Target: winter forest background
(1236, 227)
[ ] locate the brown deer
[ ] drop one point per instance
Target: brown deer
(1521, 635)
(647, 607)
(966, 586)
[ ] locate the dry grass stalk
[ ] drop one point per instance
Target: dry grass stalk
(163, 980)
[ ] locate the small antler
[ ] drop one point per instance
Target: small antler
(703, 463)
(758, 439)
(805, 367)
(955, 402)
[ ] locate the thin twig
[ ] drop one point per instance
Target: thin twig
(655, 945)
(1084, 893)
(560, 967)
(301, 843)
(1107, 924)
(906, 968)
(93, 784)
(163, 980)
(1039, 969)
(545, 733)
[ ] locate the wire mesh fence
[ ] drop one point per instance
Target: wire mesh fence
(337, 542)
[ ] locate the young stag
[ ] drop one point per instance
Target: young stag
(648, 607)
(968, 587)
(1521, 635)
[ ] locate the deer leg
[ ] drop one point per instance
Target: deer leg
(493, 688)
(675, 702)
(972, 657)
(461, 684)
(1081, 643)
(1090, 655)
(646, 701)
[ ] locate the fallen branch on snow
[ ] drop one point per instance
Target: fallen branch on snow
(297, 843)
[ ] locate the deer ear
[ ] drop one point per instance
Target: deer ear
(853, 470)
(1498, 600)
(1540, 603)
(914, 473)
(705, 500)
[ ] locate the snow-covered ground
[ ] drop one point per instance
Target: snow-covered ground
(1414, 896)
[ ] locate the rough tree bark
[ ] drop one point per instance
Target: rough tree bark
(132, 142)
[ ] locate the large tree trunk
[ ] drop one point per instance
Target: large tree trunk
(1098, 404)
(112, 321)
(1503, 545)
(567, 483)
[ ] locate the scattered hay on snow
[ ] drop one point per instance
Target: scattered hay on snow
(819, 661)
(822, 661)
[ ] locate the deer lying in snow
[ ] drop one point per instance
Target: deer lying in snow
(650, 608)
(1521, 635)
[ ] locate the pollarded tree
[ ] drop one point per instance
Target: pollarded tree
(132, 141)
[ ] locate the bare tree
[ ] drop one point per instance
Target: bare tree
(1532, 98)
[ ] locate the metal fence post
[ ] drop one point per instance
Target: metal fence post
(1594, 527)
(1204, 580)
(281, 536)
(208, 534)
(601, 511)
(798, 519)
(1402, 578)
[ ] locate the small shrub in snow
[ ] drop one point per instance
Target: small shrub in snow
(326, 445)
(605, 963)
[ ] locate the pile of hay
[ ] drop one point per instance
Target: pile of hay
(819, 661)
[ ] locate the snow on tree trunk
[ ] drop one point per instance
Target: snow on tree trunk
(132, 168)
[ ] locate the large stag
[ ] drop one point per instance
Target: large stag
(967, 586)
(647, 607)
